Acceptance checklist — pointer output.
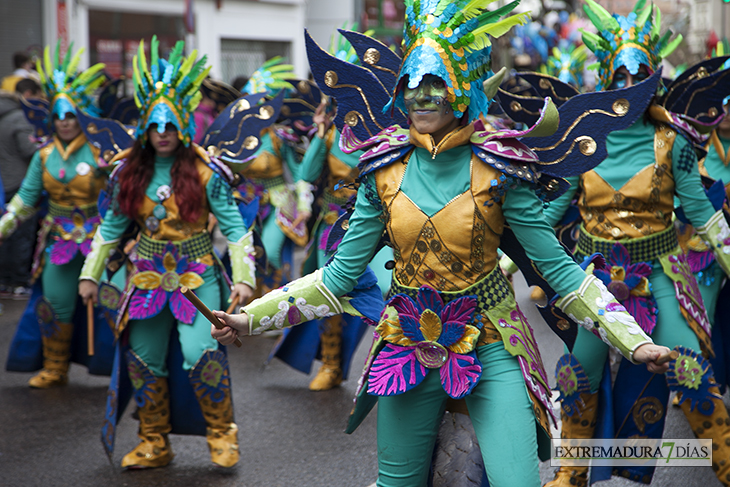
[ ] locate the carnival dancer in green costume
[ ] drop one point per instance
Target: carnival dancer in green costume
(452, 327)
(326, 163)
(626, 204)
(285, 202)
(168, 187)
(67, 169)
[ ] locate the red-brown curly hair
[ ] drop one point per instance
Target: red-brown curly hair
(136, 175)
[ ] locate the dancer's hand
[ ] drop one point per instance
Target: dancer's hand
(240, 293)
(302, 216)
(235, 324)
(648, 354)
(322, 119)
(89, 290)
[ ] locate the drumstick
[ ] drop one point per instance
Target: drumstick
(90, 326)
(232, 307)
(205, 311)
(667, 357)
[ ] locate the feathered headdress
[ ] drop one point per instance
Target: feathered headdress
(567, 64)
(271, 77)
(169, 91)
(450, 39)
(627, 41)
(66, 88)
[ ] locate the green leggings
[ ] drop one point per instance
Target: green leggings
(273, 239)
(61, 286)
(671, 329)
(149, 338)
(500, 410)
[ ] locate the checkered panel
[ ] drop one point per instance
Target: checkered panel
(194, 247)
(643, 249)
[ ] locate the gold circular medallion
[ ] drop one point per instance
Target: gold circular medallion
(303, 87)
(250, 142)
(91, 128)
(213, 151)
(352, 119)
(242, 105)
(515, 106)
(545, 84)
(586, 145)
(621, 107)
(330, 79)
(372, 56)
(712, 112)
(266, 112)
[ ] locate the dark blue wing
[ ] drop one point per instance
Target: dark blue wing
(110, 136)
(675, 89)
(233, 137)
(359, 94)
(549, 86)
(523, 108)
(579, 144)
(108, 97)
(703, 99)
(375, 56)
(221, 93)
(125, 111)
(36, 110)
(299, 106)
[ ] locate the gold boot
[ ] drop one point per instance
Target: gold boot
(154, 424)
(212, 387)
(330, 374)
(56, 355)
(700, 400)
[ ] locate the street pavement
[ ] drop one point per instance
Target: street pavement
(289, 436)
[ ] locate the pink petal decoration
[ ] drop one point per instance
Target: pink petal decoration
(182, 309)
(395, 371)
(137, 310)
(63, 251)
(460, 374)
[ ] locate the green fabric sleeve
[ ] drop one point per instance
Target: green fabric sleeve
(32, 186)
(358, 245)
(224, 208)
(523, 213)
(313, 161)
(688, 184)
(557, 208)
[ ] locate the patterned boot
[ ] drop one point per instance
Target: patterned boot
(153, 406)
(578, 414)
(56, 338)
(212, 386)
(330, 374)
(703, 406)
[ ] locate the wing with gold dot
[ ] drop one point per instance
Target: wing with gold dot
(579, 144)
(37, 112)
(359, 94)
(110, 136)
(234, 136)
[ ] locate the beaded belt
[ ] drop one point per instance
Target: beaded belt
(643, 249)
(489, 292)
(194, 247)
(269, 183)
(56, 210)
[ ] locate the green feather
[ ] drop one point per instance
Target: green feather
(497, 29)
(491, 16)
(194, 101)
(669, 48)
(47, 62)
(154, 52)
(657, 24)
(643, 15)
(57, 55)
(74, 64)
(86, 77)
(66, 58)
(639, 5)
(600, 17)
(176, 52)
(39, 68)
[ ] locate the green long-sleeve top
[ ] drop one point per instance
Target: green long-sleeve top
(315, 158)
(631, 150)
(229, 218)
(431, 184)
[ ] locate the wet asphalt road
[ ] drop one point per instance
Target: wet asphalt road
(289, 436)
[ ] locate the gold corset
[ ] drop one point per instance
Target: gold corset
(641, 207)
(454, 248)
(338, 171)
(173, 227)
(267, 165)
(82, 190)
